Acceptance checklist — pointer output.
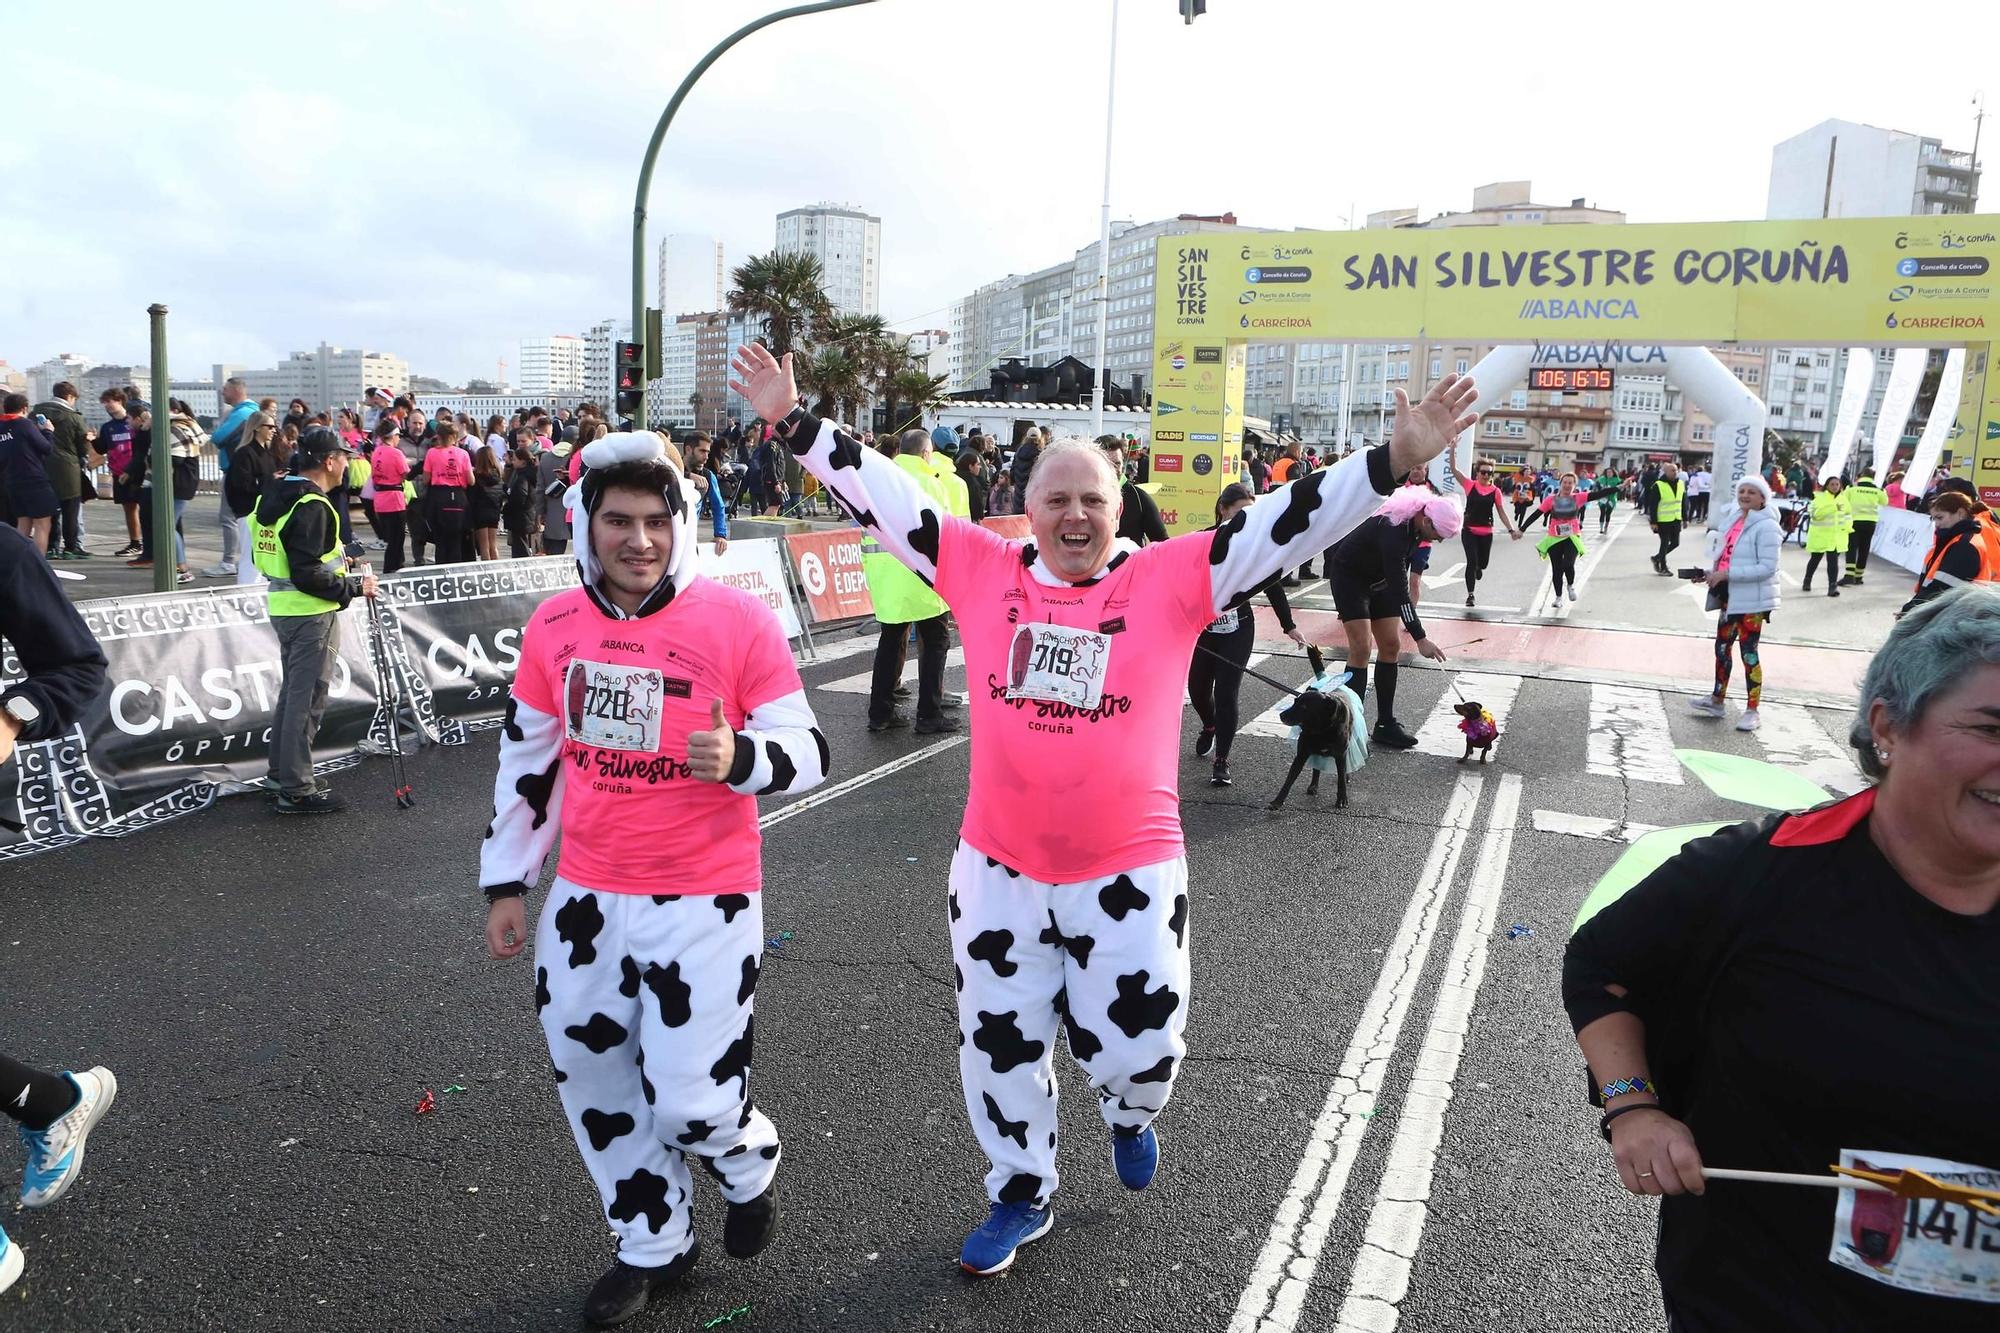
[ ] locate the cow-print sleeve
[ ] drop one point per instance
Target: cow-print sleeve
(877, 494)
(780, 750)
(527, 801)
(1291, 524)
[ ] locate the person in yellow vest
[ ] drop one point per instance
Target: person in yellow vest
(958, 498)
(1662, 502)
(1864, 498)
(1826, 537)
(295, 541)
(902, 600)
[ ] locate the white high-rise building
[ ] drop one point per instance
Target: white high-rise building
(330, 377)
(1840, 169)
(692, 275)
(848, 244)
(598, 355)
(552, 365)
(42, 379)
(668, 398)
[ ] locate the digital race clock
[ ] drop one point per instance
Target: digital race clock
(1564, 379)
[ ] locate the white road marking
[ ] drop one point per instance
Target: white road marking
(862, 683)
(1458, 606)
(833, 648)
(1629, 737)
(1791, 739)
(1440, 734)
(1381, 1273)
(1283, 1274)
(859, 780)
(1590, 826)
(1456, 574)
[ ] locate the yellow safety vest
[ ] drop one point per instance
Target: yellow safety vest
(267, 549)
(1670, 501)
(901, 597)
(1864, 497)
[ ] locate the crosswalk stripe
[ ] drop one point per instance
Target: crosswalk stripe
(862, 683)
(1440, 734)
(1629, 738)
(1590, 826)
(1791, 739)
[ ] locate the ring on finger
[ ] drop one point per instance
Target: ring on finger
(1645, 1175)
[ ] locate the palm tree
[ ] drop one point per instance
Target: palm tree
(786, 291)
(831, 377)
(915, 385)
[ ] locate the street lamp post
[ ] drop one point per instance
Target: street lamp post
(659, 136)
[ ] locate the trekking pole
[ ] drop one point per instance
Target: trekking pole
(392, 692)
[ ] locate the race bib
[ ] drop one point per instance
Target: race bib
(1940, 1249)
(1056, 664)
(1223, 624)
(613, 707)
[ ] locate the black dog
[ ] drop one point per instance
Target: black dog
(1325, 728)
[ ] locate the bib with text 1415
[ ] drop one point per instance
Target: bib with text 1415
(1941, 1249)
(613, 707)
(1057, 664)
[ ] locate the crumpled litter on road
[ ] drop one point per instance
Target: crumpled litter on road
(455, 1087)
(728, 1318)
(1517, 931)
(426, 1103)
(777, 942)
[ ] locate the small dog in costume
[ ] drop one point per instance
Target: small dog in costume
(1479, 727)
(1323, 733)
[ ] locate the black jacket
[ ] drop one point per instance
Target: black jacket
(63, 668)
(306, 539)
(251, 469)
(1139, 520)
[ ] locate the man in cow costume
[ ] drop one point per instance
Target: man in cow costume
(1068, 892)
(651, 708)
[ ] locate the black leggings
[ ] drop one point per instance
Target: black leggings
(1478, 550)
(390, 525)
(1562, 561)
(34, 1097)
(1833, 568)
(1215, 685)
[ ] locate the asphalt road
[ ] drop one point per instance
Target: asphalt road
(275, 995)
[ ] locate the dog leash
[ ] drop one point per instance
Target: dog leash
(1312, 655)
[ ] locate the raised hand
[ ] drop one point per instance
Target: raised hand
(765, 381)
(1431, 426)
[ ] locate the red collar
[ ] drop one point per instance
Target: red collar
(1828, 823)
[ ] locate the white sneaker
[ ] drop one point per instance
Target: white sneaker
(1749, 721)
(1705, 704)
(221, 571)
(1572, 596)
(55, 1154)
(11, 1262)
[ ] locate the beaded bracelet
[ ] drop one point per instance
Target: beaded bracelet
(1637, 1083)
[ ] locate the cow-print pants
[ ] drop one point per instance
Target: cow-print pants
(646, 1003)
(1109, 957)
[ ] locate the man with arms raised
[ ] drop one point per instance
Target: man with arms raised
(1069, 893)
(651, 708)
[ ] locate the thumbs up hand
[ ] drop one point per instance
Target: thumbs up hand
(712, 753)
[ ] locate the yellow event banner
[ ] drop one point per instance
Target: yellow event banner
(1866, 281)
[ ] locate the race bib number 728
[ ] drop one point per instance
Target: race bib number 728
(613, 707)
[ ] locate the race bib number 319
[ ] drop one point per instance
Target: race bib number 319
(1941, 1249)
(1057, 664)
(612, 707)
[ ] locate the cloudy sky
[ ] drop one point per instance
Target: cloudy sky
(441, 179)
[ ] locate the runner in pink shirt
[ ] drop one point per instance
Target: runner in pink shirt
(1069, 889)
(651, 708)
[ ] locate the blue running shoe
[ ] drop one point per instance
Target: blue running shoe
(1136, 1154)
(11, 1262)
(1008, 1226)
(55, 1154)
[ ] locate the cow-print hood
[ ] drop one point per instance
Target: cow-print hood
(581, 500)
(1121, 548)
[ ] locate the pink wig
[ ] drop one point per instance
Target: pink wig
(1409, 501)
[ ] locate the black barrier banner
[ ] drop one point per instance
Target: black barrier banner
(193, 687)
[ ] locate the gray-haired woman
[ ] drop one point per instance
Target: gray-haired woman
(1818, 989)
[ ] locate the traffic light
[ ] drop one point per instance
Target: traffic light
(629, 378)
(1191, 9)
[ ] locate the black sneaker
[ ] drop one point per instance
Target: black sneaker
(321, 802)
(748, 1227)
(1205, 742)
(1833, 590)
(936, 726)
(129, 548)
(1220, 777)
(1390, 735)
(901, 691)
(1468, 599)
(623, 1291)
(893, 720)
